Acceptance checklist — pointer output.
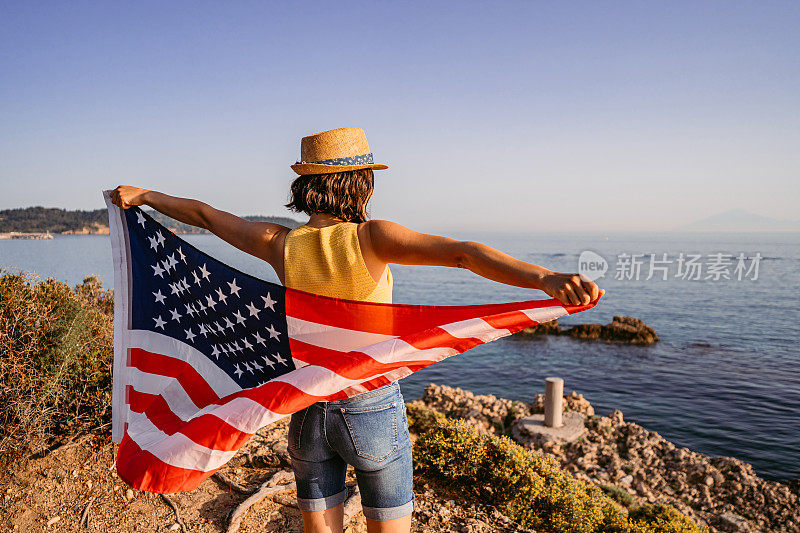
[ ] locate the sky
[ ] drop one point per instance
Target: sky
(500, 116)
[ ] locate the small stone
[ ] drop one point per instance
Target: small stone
(709, 481)
(174, 527)
(88, 484)
(74, 473)
(627, 480)
(53, 520)
(732, 522)
(129, 494)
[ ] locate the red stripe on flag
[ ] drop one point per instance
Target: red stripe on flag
(144, 471)
(206, 430)
(393, 319)
(513, 321)
(190, 379)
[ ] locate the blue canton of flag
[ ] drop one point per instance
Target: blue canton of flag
(237, 321)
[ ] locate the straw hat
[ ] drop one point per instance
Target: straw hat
(335, 151)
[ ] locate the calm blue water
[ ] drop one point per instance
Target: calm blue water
(723, 380)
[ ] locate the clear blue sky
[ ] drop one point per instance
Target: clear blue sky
(518, 115)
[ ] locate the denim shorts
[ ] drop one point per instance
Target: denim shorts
(368, 431)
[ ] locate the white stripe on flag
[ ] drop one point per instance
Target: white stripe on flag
(220, 382)
(176, 449)
(331, 337)
(475, 327)
(545, 314)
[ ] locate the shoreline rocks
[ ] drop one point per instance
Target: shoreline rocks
(623, 329)
(624, 458)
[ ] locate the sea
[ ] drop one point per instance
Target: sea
(723, 380)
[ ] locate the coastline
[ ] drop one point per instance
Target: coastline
(629, 461)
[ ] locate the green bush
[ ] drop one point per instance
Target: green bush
(527, 486)
(56, 354)
(619, 495)
(660, 519)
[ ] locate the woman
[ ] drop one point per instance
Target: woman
(339, 253)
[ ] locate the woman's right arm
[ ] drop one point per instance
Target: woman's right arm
(394, 243)
(255, 238)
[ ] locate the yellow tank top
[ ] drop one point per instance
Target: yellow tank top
(328, 261)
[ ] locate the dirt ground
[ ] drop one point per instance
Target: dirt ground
(75, 488)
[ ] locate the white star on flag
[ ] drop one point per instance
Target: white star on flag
(269, 302)
(253, 309)
(234, 287)
(221, 296)
(204, 273)
(158, 271)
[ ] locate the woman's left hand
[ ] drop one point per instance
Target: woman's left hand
(570, 288)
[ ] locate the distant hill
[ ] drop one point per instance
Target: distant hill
(55, 220)
(740, 220)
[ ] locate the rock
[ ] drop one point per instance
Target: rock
(53, 520)
(708, 481)
(733, 523)
(129, 494)
(627, 480)
(174, 527)
(547, 328)
(621, 329)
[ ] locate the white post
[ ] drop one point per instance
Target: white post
(553, 402)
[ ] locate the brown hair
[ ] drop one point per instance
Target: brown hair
(340, 194)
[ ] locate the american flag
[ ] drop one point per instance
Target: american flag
(205, 355)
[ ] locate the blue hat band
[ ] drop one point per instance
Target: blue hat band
(364, 159)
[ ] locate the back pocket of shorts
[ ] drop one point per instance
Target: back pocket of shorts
(373, 430)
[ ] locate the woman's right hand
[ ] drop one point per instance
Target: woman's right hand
(570, 289)
(125, 196)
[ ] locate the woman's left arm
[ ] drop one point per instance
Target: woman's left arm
(255, 238)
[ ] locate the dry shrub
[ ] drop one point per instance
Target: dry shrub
(56, 355)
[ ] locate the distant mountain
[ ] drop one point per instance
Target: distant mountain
(740, 220)
(55, 220)
(180, 227)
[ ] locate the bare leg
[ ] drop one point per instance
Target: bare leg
(398, 525)
(327, 521)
